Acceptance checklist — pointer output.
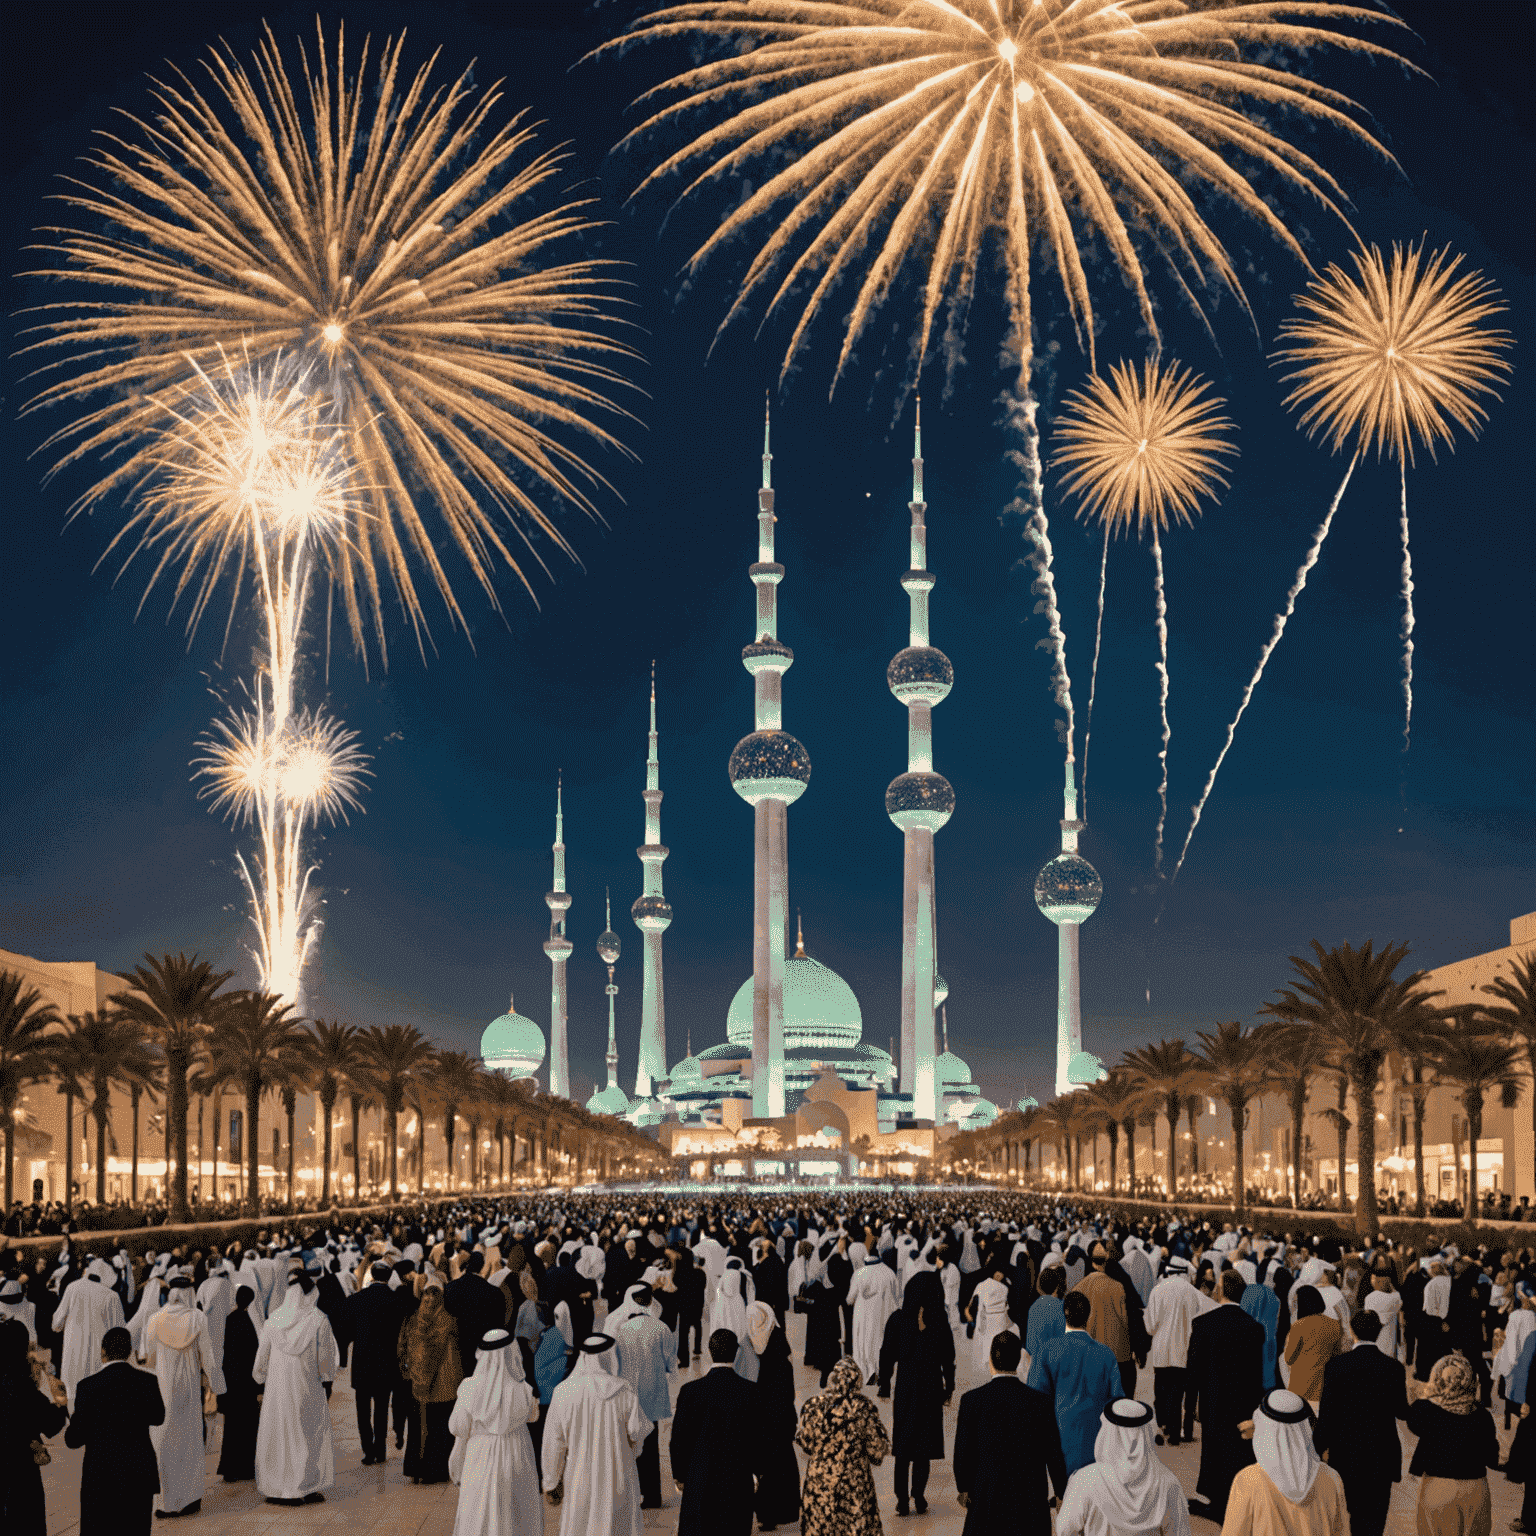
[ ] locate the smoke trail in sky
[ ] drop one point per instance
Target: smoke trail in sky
(1093, 676)
(1407, 627)
(1160, 609)
(1269, 649)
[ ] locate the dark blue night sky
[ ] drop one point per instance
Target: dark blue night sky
(434, 897)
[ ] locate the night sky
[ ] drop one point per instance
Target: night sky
(434, 898)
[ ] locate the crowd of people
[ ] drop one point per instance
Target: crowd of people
(526, 1349)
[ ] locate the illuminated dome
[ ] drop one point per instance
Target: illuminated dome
(512, 1045)
(920, 675)
(983, 1113)
(769, 765)
(686, 1073)
(611, 1100)
(819, 1008)
(951, 1072)
(1029, 1102)
(1068, 889)
(920, 800)
(1086, 1068)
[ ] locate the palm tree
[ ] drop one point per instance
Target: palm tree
(1515, 1013)
(177, 1001)
(1417, 1037)
(337, 1060)
(1192, 1113)
(1236, 1067)
(502, 1100)
(1295, 1055)
(252, 1046)
(393, 1055)
(1477, 1057)
(1352, 996)
(1115, 1098)
(456, 1077)
(294, 1068)
(1164, 1071)
(102, 1051)
(26, 1055)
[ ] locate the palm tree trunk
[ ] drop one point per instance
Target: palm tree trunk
(291, 1108)
(1474, 1135)
(392, 1150)
(1113, 1132)
(69, 1150)
(200, 1148)
(8, 1108)
(99, 1108)
(325, 1172)
(450, 1130)
(218, 1114)
(1365, 1153)
(178, 1065)
(1129, 1127)
(1239, 1184)
(134, 1092)
(1192, 1108)
(357, 1148)
(253, 1149)
(1298, 1127)
(1341, 1125)
(1173, 1151)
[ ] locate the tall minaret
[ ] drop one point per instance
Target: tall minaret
(1068, 891)
(919, 801)
(558, 948)
(608, 953)
(769, 770)
(652, 915)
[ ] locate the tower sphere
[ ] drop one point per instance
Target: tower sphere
(1068, 889)
(920, 800)
(608, 947)
(767, 656)
(769, 765)
(558, 901)
(558, 947)
(920, 675)
(651, 913)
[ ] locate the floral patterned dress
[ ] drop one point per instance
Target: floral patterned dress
(842, 1434)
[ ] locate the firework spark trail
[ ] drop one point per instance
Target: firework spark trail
(1269, 649)
(1029, 505)
(1160, 609)
(1093, 676)
(1407, 626)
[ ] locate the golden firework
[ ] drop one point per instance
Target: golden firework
(952, 133)
(381, 232)
(1141, 451)
(1395, 353)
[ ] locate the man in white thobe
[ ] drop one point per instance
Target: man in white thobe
(179, 1352)
(594, 1425)
(14, 1307)
(875, 1296)
(216, 1300)
(87, 1309)
(1125, 1490)
(492, 1460)
(711, 1254)
(296, 1359)
(1174, 1305)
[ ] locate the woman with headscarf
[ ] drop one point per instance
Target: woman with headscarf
(430, 1363)
(765, 1358)
(1262, 1305)
(1126, 1490)
(1287, 1491)
(296, 1361)
(28, 1412)
(179, 1351)
(824, 1317)
(925, 1373)
(730, 1308)
(239, 1405)
(1313, 1341)
(841, 1434)
(988, 1312)
(492, 1461)
(1458, 1442)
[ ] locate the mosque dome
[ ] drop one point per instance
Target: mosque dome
(611, 1100)
(983, 1113)
(819, 1009)
(1029, 1102)
(1068, 889)
(920, 675)
(949, 1071)
(920, 800)
(1085, 1067)
(686, 1073)
(512, 1044)
(769, 765)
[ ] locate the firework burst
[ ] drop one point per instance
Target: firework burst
(1139, 452)
(1398, 353)
(382, 233)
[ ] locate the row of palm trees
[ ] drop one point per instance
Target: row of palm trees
(1345, 1013)
(181, 1031)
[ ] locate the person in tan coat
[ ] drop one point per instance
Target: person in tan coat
(1107, 1322)
(1313, 1341)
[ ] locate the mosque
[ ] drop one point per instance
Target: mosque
(794, 1085)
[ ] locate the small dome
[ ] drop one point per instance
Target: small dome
(940, 989)
(651, 912)
(949, 1071)
(512, 1045)
(1029, 1102)
(608, 947)
(920, 800)
(1068, 889)
(920, 675)
(1085, 1067)
(983, 1112)
(609, 1101)
(687, 1070)
(819, 1008)
(769, 765)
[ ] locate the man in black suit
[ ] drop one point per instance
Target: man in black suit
(477, 1305)
(771, 1280)
(714, 1431)
(1006, 1444)
(370, 1321)
(1365, 1393)
(114, 1409)
(1226, 1373)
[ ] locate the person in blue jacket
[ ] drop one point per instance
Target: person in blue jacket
(1080, 1376)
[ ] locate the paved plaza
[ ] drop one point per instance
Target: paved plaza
(381, 1501)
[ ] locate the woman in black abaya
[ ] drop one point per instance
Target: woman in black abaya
(824, 1318)
(925, 1374)
(242, 1413)
(778, 1472)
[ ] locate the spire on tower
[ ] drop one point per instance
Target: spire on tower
(944, 1019)
(767, 454)
(917, 453)
(799, 936)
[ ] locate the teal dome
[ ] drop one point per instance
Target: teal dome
(983, 1112)
(951, 1072)
(512, 1045)
(609, 1101)
(1085, 1067)
(686, 1072)
(819, 1008)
